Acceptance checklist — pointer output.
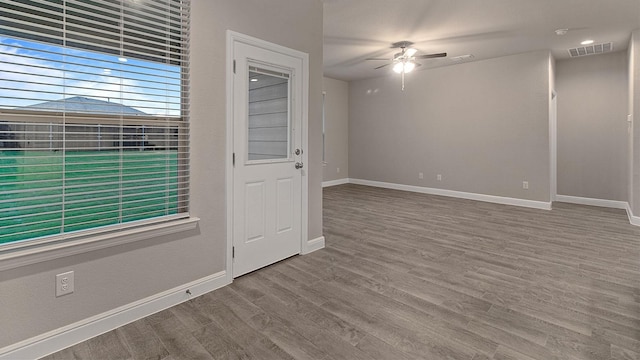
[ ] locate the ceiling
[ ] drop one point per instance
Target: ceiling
(358, 29)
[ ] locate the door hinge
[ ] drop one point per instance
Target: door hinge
(234, 66)
(233, 252)
(233, 159)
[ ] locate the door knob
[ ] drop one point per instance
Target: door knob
(299, 165)
(298, 152)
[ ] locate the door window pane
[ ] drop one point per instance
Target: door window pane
(268, 132)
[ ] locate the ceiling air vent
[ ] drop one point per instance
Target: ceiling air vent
(591, 49)
(462, 58)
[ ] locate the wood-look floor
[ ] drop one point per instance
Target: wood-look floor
(411, 276)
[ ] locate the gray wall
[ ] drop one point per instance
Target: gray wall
(592, 126)
(483, 125)
(114, 277)
(336, 107)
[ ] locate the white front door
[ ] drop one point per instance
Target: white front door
(267, 145)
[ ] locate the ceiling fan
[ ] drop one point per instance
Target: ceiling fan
(405, 61)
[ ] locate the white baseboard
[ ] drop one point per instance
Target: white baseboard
(457, 194)
(614, 204)
(634, 220)
(335, 182)
(313, 245)
(592, 202)
(80, 331)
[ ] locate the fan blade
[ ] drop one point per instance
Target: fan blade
(431, 56)
(381, 66)
(385, 59)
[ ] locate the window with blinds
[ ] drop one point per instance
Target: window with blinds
(94, 112)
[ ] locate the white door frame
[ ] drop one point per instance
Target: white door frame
(553, 145)
(233, 38)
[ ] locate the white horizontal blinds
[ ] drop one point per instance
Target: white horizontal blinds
(93, 114)
(268, 133)
(145, 29)
(103, 62)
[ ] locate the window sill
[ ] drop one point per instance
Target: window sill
(39, 253)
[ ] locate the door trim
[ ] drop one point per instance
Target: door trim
(233, 38)
(553, 144)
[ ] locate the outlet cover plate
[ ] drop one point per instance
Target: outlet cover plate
(64, 283)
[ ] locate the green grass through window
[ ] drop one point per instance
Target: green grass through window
(43, 194)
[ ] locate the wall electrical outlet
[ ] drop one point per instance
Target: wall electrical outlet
(439, 177)
(525, 185)
(338, 170)
(64, 283)
(420, 176)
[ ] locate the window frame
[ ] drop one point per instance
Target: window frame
(23, 252)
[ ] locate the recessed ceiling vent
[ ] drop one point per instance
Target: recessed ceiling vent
(591, 49)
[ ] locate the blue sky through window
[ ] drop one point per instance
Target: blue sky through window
(32, 73)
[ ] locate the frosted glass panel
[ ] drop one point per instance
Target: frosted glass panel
(268, 123)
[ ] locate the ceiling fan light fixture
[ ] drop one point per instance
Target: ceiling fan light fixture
(410, 52)
(406, 66)
(409, 66)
